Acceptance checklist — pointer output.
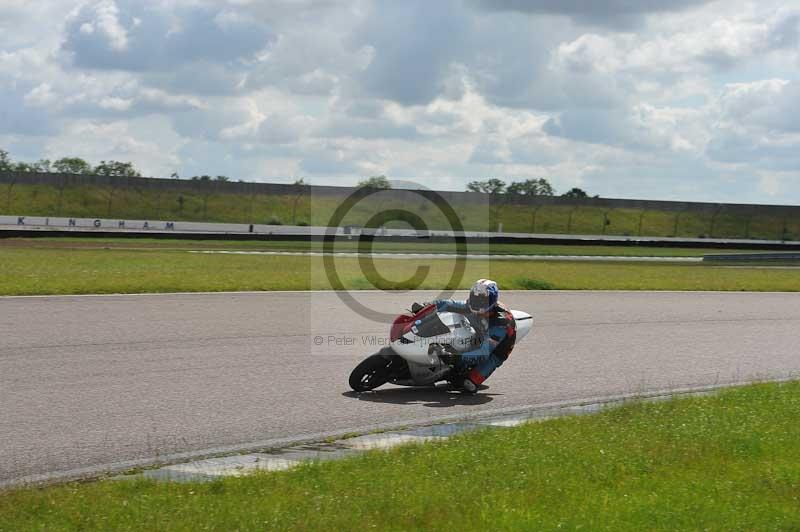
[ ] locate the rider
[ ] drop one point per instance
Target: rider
(495, 326)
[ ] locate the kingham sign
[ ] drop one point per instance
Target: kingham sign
(34, 222)
(88, 225)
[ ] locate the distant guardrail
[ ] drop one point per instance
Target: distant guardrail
(753, 257)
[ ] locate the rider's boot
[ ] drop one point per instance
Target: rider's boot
(469, 387)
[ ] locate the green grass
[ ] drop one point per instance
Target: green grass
(349, 246)
(32, 271)
(726, 462)
(525, 283)
(87, 201)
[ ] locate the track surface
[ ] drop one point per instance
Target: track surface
(86, 382)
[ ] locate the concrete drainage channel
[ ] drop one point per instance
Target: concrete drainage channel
(292, 456)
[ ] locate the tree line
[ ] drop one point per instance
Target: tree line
(529, 187)
(76, 165)
(69, 165)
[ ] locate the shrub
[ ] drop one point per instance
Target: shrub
(360, 283)
(526, 283)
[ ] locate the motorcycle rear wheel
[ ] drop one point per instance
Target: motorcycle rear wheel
(372, 372)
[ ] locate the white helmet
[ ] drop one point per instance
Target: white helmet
(483, 296)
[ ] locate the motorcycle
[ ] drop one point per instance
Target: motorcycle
(423, 349)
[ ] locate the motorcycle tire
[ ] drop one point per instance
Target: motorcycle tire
(372, 372)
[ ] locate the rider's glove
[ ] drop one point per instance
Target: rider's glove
(416, 307)
(448, 355)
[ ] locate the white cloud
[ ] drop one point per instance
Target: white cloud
(41, 95)
(150, 142)
(659, 99)
(757, 126)
(154, 36)
(107, 22)
(773, 104)
(116, 104)
(700, 44)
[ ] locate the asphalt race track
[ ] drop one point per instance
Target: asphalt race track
(99, 382)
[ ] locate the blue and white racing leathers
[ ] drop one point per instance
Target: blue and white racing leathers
(497, 331)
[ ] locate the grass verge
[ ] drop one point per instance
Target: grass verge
(725, 462)
(379, 247)
(92, 271)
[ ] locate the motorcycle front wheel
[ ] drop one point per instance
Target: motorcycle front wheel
(372, 372)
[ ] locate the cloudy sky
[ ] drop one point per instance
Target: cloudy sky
(662, 99)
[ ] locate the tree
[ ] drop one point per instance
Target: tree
(174, 175)
(301, 192)
(222, 178)
(116, 169)
(575, 192)
(5, 161)
(23, 167)
(72, 165)
(490, 186)
(380, 182)
(531, 187)
(43, 166)
(201, 178)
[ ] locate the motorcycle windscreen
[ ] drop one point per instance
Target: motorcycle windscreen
(430, 326)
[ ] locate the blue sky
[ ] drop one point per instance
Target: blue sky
(662, 99)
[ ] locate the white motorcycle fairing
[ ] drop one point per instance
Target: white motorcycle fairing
(416, 346)
(524, 323)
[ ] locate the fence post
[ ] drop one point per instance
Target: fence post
(677, 220)
(8, 193)
(569, 220)
(250, 206)
(297, 195)
(641, 219)
(533, 218)
(110, 200)
(713, 220)
(62, 184)
(158, 202)
(606, 221)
